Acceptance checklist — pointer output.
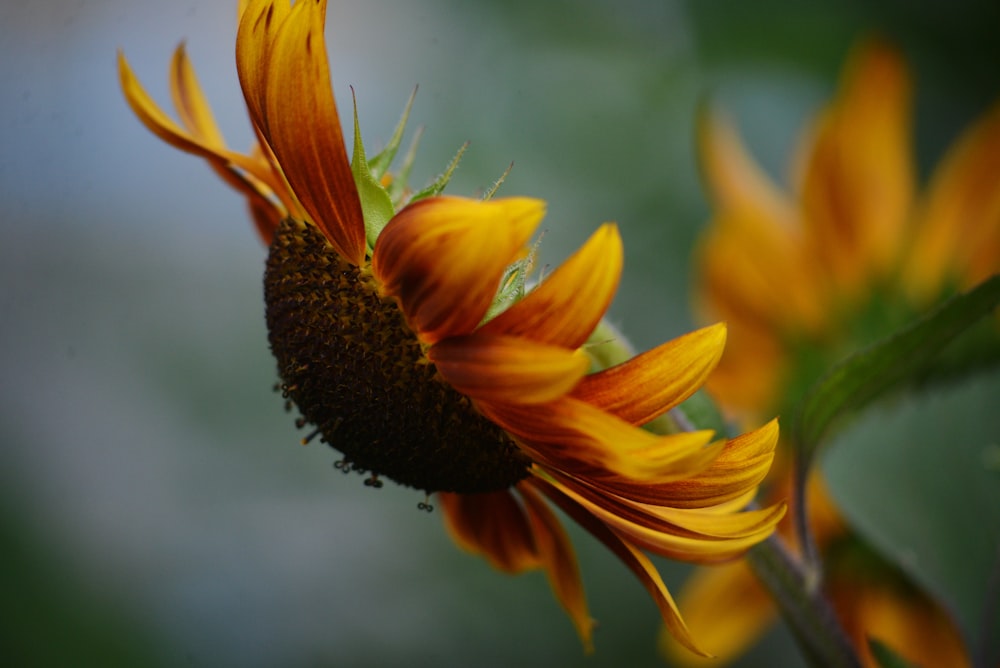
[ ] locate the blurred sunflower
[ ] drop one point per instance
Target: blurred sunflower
(848, 257)
(404, 334)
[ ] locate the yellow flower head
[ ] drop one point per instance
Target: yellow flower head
(805, 277)
(388, 340)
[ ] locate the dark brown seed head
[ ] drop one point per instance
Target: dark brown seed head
(357, 372)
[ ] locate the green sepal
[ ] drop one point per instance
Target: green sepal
(512, 284)
(397, 187)
(438, 186)
(379, 164)
(488, 195)
(376, 205)
(885, 656)
(904, 359)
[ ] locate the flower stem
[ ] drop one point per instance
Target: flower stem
(807, 611)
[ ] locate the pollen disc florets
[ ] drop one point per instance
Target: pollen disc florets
(355, 370)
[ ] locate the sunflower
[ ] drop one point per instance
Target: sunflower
(849, 256)
(405, 335)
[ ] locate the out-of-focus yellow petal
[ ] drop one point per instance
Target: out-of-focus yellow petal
(190, 100)
(748, 378)
(493, 525)
(726, 609)
(508, 368)
(283, 68)
(957, 238)
(858, 184)
(654, 382)
(572, 436)
(556, 552)
(734, 181)
(443, 258)
(635, 560)
(253, 177)
(564, 309)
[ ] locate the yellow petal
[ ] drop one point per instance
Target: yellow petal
(858, 183)
(654, 382)
(493, 525)
(283, 68)
(508, 368)
(636, 561)
(572, 436)
(253, 177)
(443, 258)
(190, 100)
(726, 609)
(564, 309)
(556, 553)
(958, 236)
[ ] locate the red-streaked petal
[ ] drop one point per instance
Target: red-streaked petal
(572, 436)
(508, 368)
(635, 560)
(493, 525)
(654, 382)
(564, 309)
(283, 68)
(557, 554)
(443, 258)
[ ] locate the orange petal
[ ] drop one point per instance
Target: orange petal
(564, 309)
(283, 68)
(556, 552)
(508, 368)
(443, 258)
(493, 525)
(858, 183)
(726, 609)
(637, 562)
(654, 382)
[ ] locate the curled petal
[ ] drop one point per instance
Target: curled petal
(564, 309)
(726, 632)
(556, 553)
(654, 382)
(636, 561)
(443, 258)
(283, 68)
(493, 525)
(190, 100)
(507, 368)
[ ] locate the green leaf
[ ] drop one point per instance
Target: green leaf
(894, 363)
(885, 656)
(376, 205)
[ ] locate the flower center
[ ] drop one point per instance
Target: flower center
(357, 372)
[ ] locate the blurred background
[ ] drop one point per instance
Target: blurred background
(155, 505)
